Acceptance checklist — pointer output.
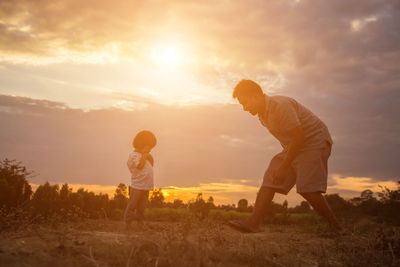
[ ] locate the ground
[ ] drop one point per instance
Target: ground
(194, 243)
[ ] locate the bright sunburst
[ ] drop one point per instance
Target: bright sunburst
(167, 55)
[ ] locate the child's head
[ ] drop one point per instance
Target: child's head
(144, 139)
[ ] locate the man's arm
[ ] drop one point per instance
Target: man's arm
(296, 143)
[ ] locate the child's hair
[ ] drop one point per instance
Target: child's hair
(246, 88)
(144, 138)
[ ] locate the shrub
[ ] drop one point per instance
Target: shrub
(14, 187)
(199, 207)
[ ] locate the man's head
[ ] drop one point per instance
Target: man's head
(250, 96)
(144, 141)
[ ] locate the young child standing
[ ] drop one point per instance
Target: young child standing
(140, 164)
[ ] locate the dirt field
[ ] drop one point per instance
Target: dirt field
(191, 243)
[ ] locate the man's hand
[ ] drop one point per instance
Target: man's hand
(297, 141)
(280, 174)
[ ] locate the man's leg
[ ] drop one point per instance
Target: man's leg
(321, 206)
(266, 194)
(263, 201)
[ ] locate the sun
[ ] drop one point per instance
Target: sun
(167, 55)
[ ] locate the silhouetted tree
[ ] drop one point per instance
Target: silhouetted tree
(45, 200)
(272, 210)
(92, 205)
(210, 202)
(338, 204)
(178, 203)
(242, 205)
(14, 187)
(305, 207)
(65, 192)
(120, 196)
(199, 207)
(390, 195)
(390, 199)
(366, 195)
(285, 205)
(65, 197)
(156, 198)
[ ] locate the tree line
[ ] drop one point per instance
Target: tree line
(49, 200)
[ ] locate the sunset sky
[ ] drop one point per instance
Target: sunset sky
(78, 79)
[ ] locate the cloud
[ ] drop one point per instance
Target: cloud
(301, 48)
(258, 36)
(358, 184)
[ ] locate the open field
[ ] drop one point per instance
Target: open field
(190, 242)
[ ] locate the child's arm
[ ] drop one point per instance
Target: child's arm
(131, 163)
(150, 159)
(145, 156)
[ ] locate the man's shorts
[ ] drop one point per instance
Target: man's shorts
(308, 171)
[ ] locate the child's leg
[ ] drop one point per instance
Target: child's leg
(143, 197)
(129, 215)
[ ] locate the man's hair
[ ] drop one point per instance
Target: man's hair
(246, 88)
(144, 138)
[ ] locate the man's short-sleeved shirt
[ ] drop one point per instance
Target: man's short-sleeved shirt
(283, 114)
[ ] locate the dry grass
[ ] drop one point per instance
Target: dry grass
(192, 243)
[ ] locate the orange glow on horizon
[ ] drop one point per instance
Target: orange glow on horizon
(230, 193)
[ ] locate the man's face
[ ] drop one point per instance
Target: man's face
(251, 104)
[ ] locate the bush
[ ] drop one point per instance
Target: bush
(14, 187)
(199, 207)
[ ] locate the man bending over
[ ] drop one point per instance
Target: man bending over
(306, 146)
